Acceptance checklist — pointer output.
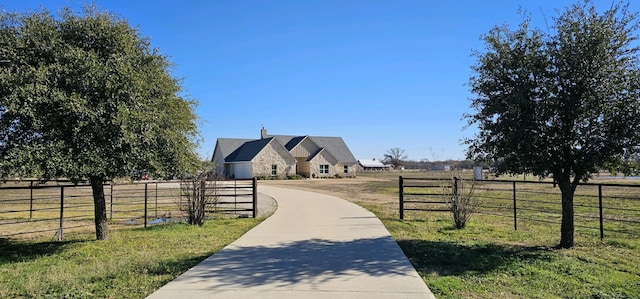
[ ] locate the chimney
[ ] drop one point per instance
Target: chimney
(263, 133)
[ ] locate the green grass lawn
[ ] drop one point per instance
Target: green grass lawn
(132, 264)
(489, 259)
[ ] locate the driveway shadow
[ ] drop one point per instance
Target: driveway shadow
(312, 261)
(17, 251)
(448, 258)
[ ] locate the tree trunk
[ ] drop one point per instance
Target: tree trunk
(567, 226)
(100, 208)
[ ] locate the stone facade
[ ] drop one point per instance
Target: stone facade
(323, 158)
(351, 170)
(274, 154)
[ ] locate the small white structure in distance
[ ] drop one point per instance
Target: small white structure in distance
(373, 165)
(477, 173)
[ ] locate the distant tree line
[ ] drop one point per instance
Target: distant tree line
(397, 157)
(439, 165)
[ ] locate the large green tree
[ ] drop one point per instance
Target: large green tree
(561, 102)
(84, 96)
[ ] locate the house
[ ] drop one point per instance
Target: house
(373, 165)
(282, 156)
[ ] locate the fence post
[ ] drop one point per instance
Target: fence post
(255, 197)
(515, 210)
(30, 200)
(235, 196)
(455, 188)
(111, 201)
(600, 206)
(145, 204)
(156, 200)
(401, 196)
(61, 213)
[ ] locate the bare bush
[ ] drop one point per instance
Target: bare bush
(462, 203)
(198, 197)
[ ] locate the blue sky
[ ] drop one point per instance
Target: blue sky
(379, 74)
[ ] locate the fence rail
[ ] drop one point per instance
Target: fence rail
(607, 208)
(35, 207)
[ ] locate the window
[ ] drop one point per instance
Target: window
(274, 169)
(324, 169)
(346, 169)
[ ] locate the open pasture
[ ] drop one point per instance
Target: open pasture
(489, 258)
(34, 209)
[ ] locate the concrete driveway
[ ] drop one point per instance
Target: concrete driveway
(313, 246)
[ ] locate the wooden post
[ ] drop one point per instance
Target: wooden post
(401, 196)
(455, 188)
(255, 197)
(201, 207)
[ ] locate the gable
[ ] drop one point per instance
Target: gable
(337, 148)
(305, 148)
(272, 152)
(335, 145)
(323, 154)
(284, 139)
(294, 142)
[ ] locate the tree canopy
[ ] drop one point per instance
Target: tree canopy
(563, 102)
(84, 96)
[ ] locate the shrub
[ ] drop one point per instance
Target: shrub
(462, 203)
(197, 196)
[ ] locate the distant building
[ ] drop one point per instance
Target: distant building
(373, 165)
(282, 156)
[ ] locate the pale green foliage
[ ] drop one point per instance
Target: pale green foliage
(562, 102)
(84, 95)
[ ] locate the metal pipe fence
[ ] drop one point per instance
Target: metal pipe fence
(605, 208)
(30, 207)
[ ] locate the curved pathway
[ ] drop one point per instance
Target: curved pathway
(313, 246)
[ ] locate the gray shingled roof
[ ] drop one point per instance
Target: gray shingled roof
(229, 145)
(239, 150)
(248, 150)
(335, 146)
